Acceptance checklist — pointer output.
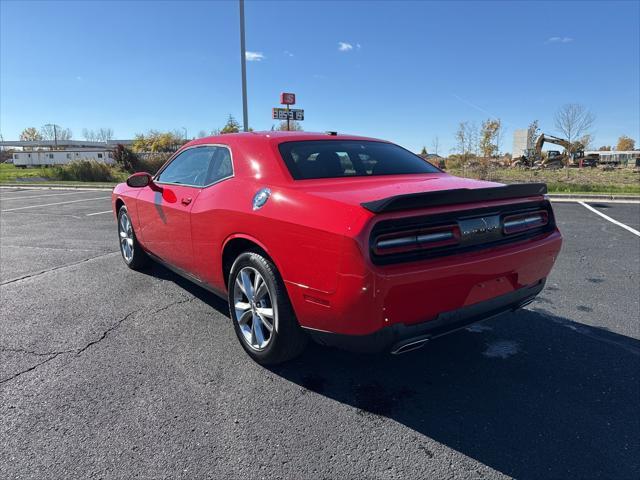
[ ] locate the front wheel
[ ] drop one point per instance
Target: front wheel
(132, 253)
(262, 315)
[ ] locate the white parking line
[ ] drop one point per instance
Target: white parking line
(98, 213)
(38, 196)
(615, 222)
(51, 204)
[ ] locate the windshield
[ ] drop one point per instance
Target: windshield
(349, 158)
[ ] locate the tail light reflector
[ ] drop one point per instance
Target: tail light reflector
(417, 240)
(525, 221)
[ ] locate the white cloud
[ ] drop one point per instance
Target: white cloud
(358, 46)
(344, 46)
(559, 40)
(254, 56)
(80, 78)
(288, 53)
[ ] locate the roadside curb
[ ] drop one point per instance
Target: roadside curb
(610, 198)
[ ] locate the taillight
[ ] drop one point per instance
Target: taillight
(407, 241)
(524, 221)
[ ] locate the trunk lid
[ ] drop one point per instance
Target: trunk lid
(358, 190)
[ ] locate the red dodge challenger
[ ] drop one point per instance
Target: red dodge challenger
(351, 241)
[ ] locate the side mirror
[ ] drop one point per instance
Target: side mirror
(139, 180)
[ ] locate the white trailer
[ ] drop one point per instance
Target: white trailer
(41, 158)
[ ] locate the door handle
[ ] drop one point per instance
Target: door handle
(186, 200)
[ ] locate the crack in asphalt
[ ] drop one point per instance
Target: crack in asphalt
(49, 248)
(37, 274)
(16, 375)
(78, 351)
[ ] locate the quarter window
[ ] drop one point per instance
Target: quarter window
(198, 166)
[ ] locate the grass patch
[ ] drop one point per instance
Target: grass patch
(10, 173)
(86, 171)
(568, 180)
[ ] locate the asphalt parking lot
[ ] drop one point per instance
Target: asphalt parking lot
(110, 373)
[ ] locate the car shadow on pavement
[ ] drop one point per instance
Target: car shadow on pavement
(539, 397)
(530, 394)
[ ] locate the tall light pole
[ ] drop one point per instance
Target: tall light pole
(185, 133)
(243, 61)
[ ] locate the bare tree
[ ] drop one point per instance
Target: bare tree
(104, 134)
(467, 140)
(461, 140)
(474, 139)
(55, 132)
(435, 144)
(89, 135)
(574, 121)
(500, 137)
(532, 135)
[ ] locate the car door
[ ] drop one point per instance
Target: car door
(209, 216)
(164, 211)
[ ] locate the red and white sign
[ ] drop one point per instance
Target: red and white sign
(288, 98)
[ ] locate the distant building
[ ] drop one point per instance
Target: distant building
(51, 152)
(38, 158)
(64, 144)
(628, 158)
(520, 143)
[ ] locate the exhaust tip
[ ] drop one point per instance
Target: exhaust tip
(408, 346)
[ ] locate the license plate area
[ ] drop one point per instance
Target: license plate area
(484, 229)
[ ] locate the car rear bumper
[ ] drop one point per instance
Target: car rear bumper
(400, 337)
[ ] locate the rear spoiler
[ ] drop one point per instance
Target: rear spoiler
(453, 197)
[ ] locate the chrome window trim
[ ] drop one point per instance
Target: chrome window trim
(180, 152)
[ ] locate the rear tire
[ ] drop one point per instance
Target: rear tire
(262, 315)
(132, 253)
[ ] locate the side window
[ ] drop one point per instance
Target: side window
(221, 166)
(191, 167)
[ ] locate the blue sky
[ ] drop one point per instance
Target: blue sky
(406, 71)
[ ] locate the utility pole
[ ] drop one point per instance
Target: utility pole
(243, 61)
(55, 133)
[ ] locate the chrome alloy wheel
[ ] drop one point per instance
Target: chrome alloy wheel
(126, 237)
(253, 308)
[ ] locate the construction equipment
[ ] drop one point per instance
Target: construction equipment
(533, 158)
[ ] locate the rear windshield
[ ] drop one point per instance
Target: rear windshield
(349, 158)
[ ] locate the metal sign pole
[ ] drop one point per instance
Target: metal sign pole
(243, 61)
(288, 118)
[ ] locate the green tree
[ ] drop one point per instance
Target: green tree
(423, 151)
(466, 140)
(155, 141)
(489, 133)
(584, 143)
(605, 148)
(30, 134)
(232, 126)
(293, 126)
(626, 143)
